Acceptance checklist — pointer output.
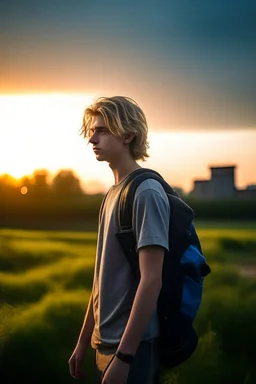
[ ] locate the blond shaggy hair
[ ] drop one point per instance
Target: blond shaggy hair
(122, 116)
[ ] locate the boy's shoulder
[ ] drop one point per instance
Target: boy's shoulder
(150, 185)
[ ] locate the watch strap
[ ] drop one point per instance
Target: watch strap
(125, 357)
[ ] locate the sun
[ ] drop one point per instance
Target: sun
(36, 127)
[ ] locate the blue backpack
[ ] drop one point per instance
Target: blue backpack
(184, 269)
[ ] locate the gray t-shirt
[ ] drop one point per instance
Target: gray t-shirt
(114, 286)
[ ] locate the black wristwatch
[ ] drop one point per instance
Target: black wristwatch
(125, 357)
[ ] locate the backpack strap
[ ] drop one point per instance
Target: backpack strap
(128, 193)
(181, 214)
(128, 180)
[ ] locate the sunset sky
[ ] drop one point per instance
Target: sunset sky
(189, 64)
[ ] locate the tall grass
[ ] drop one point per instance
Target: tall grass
(45, 283)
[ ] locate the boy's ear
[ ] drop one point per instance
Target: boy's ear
(128, 138)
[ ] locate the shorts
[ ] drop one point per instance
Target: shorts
(145, 367)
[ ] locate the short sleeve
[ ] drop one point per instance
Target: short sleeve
(151, 215)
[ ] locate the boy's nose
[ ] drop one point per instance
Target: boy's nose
(93, 139)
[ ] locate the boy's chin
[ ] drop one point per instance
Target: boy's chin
(100, 158)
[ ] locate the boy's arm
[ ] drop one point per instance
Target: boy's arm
(88, 325)
(82, 344)
(145, 301)
(151, 216)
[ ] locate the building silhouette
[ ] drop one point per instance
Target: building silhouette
(221, 185)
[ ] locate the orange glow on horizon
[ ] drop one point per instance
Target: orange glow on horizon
(33, 122)
(41, 131)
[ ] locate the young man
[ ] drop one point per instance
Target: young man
(121, 320)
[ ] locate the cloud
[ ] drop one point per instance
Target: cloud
(197, 56)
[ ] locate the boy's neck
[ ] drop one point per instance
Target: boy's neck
(122, 170)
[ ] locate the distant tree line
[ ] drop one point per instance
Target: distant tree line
(38, 202)
(65, 183)
(34, 202)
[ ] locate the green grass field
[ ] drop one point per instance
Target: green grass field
(45, 283)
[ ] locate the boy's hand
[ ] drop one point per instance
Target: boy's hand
(117, 372)
(75, 362)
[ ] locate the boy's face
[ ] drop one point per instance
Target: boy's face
(106, 146)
